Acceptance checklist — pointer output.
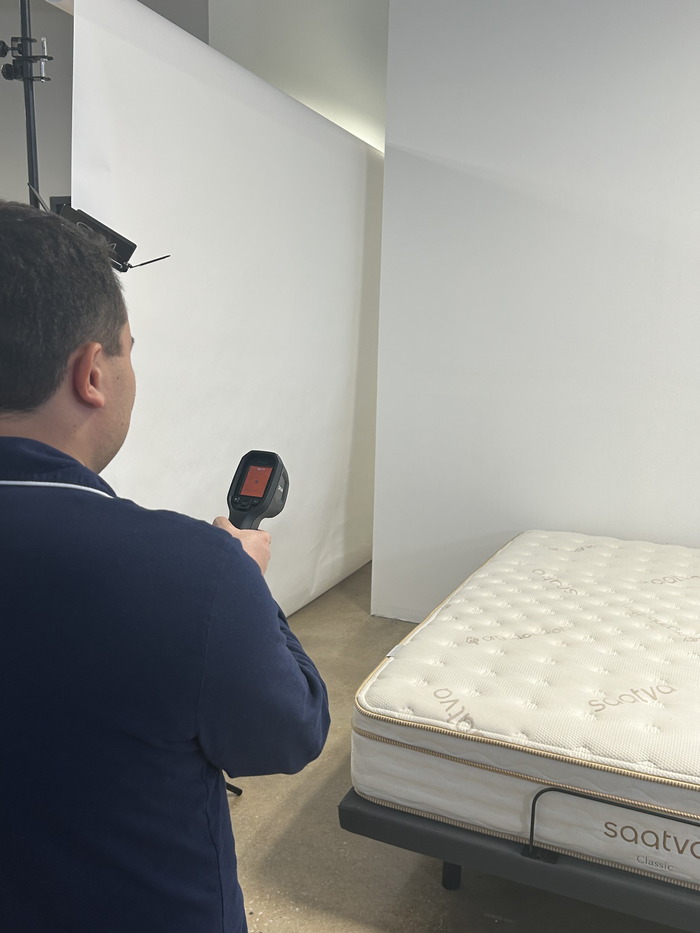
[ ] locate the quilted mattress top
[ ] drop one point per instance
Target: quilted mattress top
(578, 647)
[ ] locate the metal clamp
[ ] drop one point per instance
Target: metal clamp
(21, 67)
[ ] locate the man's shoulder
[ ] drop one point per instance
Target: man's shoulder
(167, 525)
(170, 552)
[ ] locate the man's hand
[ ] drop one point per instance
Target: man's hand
(255, 543)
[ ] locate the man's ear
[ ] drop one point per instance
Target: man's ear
(87, 376)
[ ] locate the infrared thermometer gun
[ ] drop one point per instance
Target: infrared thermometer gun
(259, 489)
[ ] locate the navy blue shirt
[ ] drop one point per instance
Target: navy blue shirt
(141, 654)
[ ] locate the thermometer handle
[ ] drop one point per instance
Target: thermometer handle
(245, 521)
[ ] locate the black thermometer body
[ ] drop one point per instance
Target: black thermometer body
(259, 489)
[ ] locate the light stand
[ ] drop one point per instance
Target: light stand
(22, 69)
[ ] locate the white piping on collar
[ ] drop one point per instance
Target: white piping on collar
(22, 482)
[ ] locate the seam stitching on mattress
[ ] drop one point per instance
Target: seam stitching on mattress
(581, 762)
(652, 808)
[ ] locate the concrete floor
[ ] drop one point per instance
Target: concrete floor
(301, 873)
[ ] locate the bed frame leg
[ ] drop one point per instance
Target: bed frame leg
(451, 876)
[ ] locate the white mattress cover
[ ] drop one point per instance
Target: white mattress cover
(569, 661)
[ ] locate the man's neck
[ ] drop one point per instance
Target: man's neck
(42, 426)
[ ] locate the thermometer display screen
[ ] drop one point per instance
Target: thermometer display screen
(255, 481)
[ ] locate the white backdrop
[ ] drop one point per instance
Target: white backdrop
(540, 309)
(259, 331)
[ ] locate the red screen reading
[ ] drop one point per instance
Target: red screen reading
(255, 481)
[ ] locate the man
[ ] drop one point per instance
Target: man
(141, 651)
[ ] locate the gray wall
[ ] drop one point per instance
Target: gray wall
(190, 15)
(328, 54)
(539, 324)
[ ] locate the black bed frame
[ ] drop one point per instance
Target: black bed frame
(615, 889)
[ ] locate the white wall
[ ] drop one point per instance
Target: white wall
(259, 331)
(329, 54)
(52, 103)
(540, 309)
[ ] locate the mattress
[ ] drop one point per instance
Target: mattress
(553, 698)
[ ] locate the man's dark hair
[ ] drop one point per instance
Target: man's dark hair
(58, 290)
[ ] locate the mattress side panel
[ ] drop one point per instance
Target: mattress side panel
(500, 804)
